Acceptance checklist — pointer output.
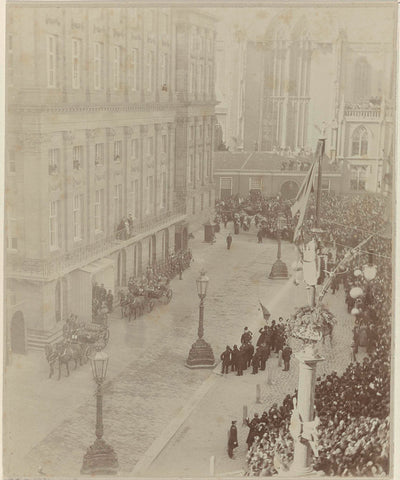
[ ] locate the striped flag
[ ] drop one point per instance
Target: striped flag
(300, 203)
(265, 311)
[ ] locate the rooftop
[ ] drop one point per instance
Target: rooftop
(268, 161)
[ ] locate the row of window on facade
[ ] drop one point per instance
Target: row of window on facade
(200, 76)
(80, 220)
(99, 153)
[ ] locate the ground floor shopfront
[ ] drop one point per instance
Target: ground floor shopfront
(37, 308)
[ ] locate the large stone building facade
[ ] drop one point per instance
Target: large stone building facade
(329, 68)
(110, 113)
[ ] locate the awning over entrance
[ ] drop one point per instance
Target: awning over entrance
(82, 281)
(98, 265)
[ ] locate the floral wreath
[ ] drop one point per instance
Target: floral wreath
(310, 323)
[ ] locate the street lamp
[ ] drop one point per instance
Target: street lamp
(100, 458)
(201, 354)
(279, 269)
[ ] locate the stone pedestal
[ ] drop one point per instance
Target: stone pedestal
(279, 271)
(200, 355)
(100, 459)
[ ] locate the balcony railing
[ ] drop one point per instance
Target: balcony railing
(88, 253)
(374, 112)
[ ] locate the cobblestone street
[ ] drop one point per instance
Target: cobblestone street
(225, 402)
(147, 384)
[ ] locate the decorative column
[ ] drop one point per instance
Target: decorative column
(308, 360)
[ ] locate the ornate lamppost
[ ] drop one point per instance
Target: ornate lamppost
(100, 458)
(279, 269)
(201, 354)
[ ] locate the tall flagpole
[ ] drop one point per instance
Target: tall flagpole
(320, 153)
(304, 413)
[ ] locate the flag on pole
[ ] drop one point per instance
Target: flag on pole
(300, 203)
(265, 311)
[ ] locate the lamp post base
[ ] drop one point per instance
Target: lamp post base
(100, 459)
(279, 270)
(200, 355)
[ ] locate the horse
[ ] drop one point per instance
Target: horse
(67, 352)
(51, 357)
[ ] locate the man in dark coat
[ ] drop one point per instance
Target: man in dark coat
(263, 336)
(263, 354)
(229, 241)
(232, 439)
(249, 349)
(226, 359)
(255, 362)
(286, 354)
(234, 358)
(246, 336)
(252, 430)
(259, 236)
(241, 362)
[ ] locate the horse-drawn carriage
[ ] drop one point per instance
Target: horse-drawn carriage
(80, 341)
(137, 301)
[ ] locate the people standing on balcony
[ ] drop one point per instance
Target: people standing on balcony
(130, 221)
(121, 230)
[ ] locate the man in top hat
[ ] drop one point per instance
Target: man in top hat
(232, 439)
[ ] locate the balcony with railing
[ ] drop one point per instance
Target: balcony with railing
(371, 109)
(78, 257)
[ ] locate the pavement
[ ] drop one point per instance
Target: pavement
(161, 417)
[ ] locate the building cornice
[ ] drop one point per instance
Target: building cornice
(284, 173)
(136, 107)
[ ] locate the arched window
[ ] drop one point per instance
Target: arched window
(362, 80)
(359, 143)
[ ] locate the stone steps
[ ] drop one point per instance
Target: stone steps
(37, 340)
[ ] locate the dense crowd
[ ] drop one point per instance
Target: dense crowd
(264, 212)
(353, 408)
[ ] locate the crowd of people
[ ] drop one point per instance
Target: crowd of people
(353, 408)
(263, 212)
(102, 301)
(272, 339)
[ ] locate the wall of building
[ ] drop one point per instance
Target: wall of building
(93, 135)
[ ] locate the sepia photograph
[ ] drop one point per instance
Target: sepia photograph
(195, 192)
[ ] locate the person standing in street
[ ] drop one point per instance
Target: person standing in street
(232, 439)
(226, 359)
(229, 241)
(259, 236)
(286, 354)
(234, 358)
(241, 361)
